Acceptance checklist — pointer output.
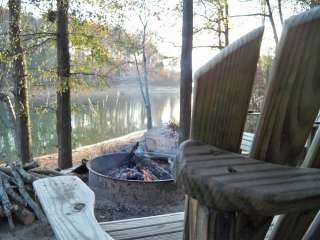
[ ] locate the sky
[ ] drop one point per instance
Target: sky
(168, 29)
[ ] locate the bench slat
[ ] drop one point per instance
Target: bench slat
(148, 231)
(68, 204)
(242, 183)
(141, 222)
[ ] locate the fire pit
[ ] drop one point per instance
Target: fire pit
(116, 178)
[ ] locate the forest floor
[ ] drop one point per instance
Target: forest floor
(159, 139)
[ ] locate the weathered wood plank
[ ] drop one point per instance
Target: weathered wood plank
(127, 224)
(252, 186)
(222, 92)
(170, 236)
(292, 100)
(313, 230)
(68, 204)
(293, 226)
(148, 231)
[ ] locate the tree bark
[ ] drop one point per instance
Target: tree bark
(20, 84)
(186, 70)
(146, 80)
(140, 80)
(226, 23)
(63, 87)
(280, 11)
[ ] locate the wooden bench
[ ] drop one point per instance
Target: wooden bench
(68, 204)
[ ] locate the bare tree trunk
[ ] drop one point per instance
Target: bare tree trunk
(140, 81)
(280, 11)
(12, 118)
(226, 23)
(63, 87)
(20, 84)
(219, 20)
(146, 80)
(275, 35)
(186, 70)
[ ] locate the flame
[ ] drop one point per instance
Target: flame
(146, 176)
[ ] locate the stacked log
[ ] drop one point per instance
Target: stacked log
(17, 198)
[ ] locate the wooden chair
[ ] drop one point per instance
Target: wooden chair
(222, 94)
(231, 196)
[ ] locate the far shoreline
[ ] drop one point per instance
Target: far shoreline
(49, 93)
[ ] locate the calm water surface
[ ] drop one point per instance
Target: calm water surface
(94, 119)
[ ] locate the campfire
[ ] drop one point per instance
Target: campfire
(134, 178)
(142, 167)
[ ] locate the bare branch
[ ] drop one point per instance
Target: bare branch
(35, 46)
(209, 46)
(250, 15)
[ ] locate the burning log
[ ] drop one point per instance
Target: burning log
(143, 168)
(130, 157)
(158, 171)
(134, 174)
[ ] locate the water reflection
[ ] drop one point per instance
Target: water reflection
(93, 119)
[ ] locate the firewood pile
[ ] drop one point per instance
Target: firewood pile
(17, 197)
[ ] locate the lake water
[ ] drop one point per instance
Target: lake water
(94, 119)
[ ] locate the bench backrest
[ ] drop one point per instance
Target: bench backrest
(222, 93)
(291, 105)
(293, 97)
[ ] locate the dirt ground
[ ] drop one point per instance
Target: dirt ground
(156, 140)
(94, 150)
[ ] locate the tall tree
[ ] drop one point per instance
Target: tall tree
(20, 84)
(63, 87)
(146, 78)
(280, 11)
(186, 70)
(145, 11)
